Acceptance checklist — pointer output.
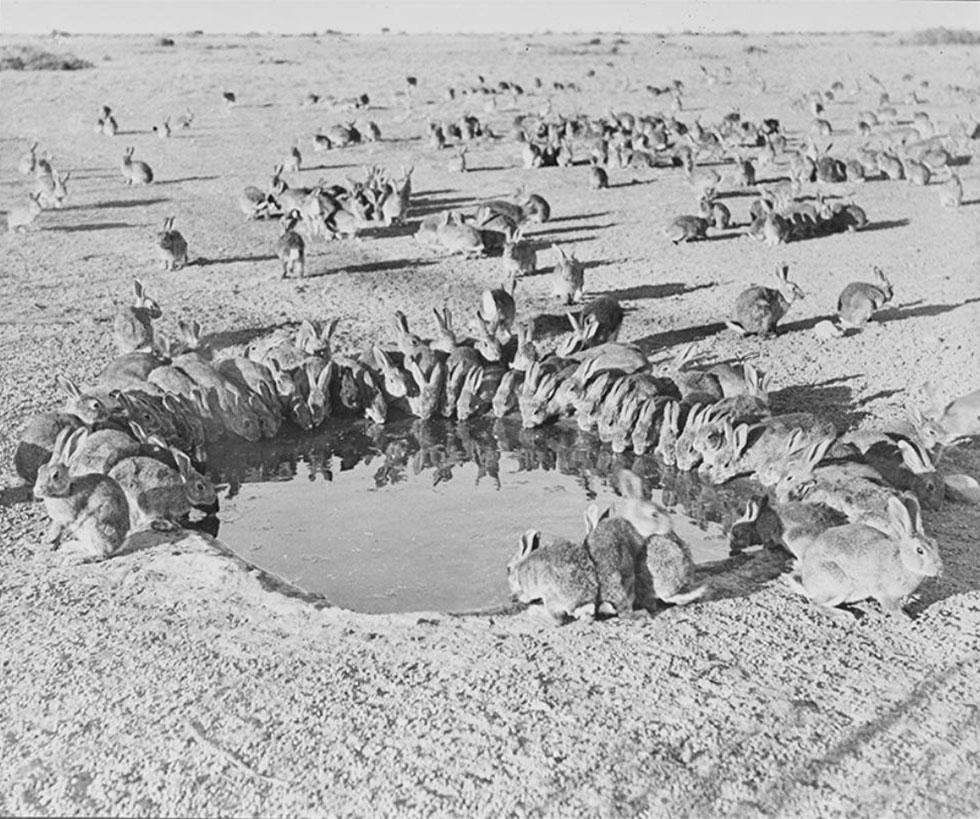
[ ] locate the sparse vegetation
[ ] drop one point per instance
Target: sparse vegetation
(29, 58)
(944, 36)
(165, 41)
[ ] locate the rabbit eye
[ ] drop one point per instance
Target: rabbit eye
(920, 550)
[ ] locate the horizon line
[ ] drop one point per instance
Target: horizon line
(57, 32)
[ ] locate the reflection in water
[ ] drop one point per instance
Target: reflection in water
(422, 515)
(420, 446)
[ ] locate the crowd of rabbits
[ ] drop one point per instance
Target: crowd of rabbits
(129, 450)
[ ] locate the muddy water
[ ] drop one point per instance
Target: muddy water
(425, 516)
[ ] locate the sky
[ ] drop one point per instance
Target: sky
(444, 16)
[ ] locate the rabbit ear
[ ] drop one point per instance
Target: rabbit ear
(593, 516)
(530, 541)
(741, 438)
(751, 513)
(916, 458)
(184, 466)
(816, 452)
(898, 516)
(72, 445)
(68, 387)
(630, 485)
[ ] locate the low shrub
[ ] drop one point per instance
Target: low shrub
(944, 36)
(29, 58)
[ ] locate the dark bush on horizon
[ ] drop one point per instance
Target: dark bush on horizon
(29, 58)
(944, 36)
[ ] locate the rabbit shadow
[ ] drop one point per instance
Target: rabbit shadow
(578, 216)
(831, 398)
(378, 266)
(742, 574)
(12, 495)
(236, 338)
(548, 325)
(969, 203)
(427, 207)
(900, 313)
(544, 235)
(886, 224)
(685, 335)
(87, 228)
(653, 291)
(185, 179)
(119, 203)
(390, 232)
(203, 261)
(544, 244)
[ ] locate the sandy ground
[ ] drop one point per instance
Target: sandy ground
(174, 681)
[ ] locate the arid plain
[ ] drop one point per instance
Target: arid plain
(171, 681)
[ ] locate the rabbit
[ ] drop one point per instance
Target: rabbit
(792, 526)
(424, 402)
(598, 178)
(171, 246)
(519, 258)
(290, 247)
(666, 448)
(135, 173)
(560, 574)
(254, 203)
(599, 323)
(90, 407)
(671, 568)
(535, 208)
(568, 278)
(225, 402)
(859, 300)
(505, 398)
(686, 229)
(535, 397)
(132, 328)
(294, 160)
(949, 423)
(457, 164)
(615, 548)
(60, 191)
(163, 131)
(37, 439)
(90, 512)
(646, 428)
(621, 432)
(21, 217)
(852, 489)
(716, 213)
(498, 308)
(743, 449)
(906, 465)
(160, 495)
(668, 558)
(456, 237)
(28, 162)
(951, 191)
(758, 310)
(854, 562)
(99, 451)
(917, 173)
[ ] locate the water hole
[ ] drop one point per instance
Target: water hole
(424, 516)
